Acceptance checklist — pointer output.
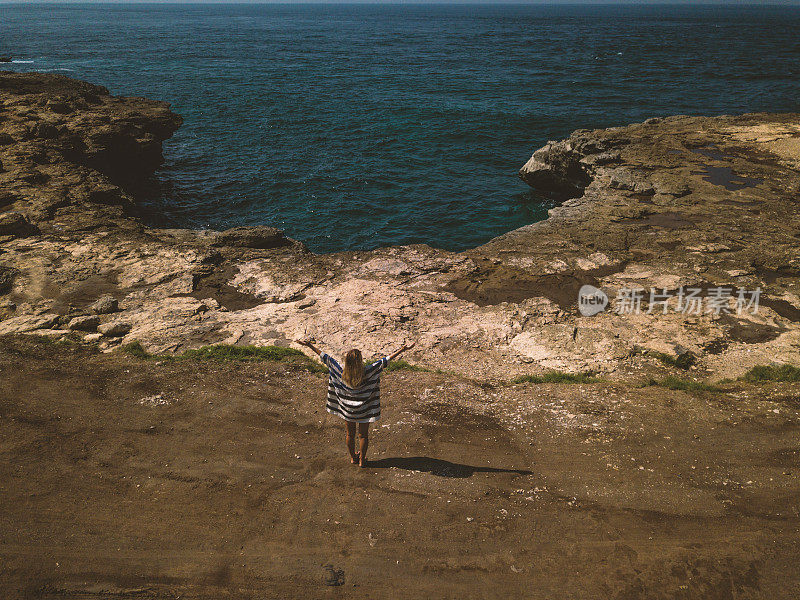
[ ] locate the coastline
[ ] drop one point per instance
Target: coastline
(128, 475)
(680, 201)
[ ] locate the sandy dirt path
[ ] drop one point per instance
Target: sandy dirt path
(128, 478)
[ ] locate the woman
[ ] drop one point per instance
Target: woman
(354, 394)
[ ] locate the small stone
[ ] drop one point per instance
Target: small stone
(739, 272)
(332, 576)
(114, 329)
(309, 302)
(210, 303)
(91, 338)
(105, 305)
(84, 323)
(107, 345)
(154, 400)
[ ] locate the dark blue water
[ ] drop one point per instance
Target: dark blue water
(356, 126)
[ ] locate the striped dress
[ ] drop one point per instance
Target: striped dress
(357, 405)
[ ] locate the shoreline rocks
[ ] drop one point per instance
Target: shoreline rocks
(668, 204)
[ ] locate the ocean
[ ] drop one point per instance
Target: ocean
(359, 126)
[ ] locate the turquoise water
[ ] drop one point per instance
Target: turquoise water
(357, 126)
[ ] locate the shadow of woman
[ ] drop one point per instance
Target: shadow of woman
(438, 467)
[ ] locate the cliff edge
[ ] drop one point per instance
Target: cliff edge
(669, 205)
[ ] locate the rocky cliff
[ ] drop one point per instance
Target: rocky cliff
(683, 202)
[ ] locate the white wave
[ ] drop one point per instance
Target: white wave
(22, 62)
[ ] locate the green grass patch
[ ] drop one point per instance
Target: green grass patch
(71, 340)
(227, 353)
(557, 377)
(401, 365)
(772, 373)
(222, 353)
(688, 385)
(684, 360)
(61, 345)
(136, 350)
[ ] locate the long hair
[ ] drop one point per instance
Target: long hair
(353, 372)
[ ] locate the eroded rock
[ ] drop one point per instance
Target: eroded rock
(7, 275)
(251, 237)
(678, 202)
(84, 323)
(105, 305)
(114, 329)
(16, 225)
(28, 323)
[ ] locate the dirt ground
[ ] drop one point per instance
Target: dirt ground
(123, 477)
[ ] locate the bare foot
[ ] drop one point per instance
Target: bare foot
(354, 459)
(362, 463)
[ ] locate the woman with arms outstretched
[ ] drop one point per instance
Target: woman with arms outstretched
(354, 394)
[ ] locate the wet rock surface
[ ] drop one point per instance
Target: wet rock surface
(667, 204)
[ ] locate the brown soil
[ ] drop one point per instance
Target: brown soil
(130, 478)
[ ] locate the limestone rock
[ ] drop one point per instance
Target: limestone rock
(252, 237)
(7, 275)
(52, 333)
(7, 309)
(624, 179)
(84, 323)
(26, 323)
(555, 168)
(114, 329)
(15, 224)
(682, 201)
(105, 305)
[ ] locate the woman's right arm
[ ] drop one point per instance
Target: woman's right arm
(309, 344)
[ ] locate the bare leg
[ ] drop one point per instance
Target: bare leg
(363, 443)
(351, 442)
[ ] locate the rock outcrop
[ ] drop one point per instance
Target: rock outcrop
(669, 204)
